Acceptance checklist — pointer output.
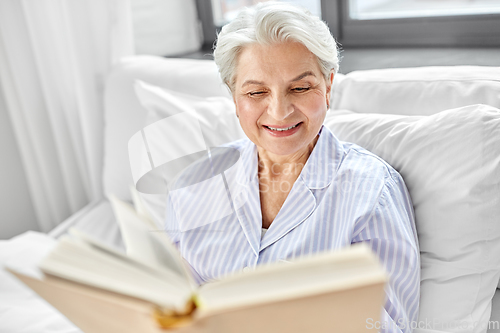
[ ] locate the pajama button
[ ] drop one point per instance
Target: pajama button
(246, 269)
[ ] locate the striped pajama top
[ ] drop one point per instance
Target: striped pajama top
(343, 195)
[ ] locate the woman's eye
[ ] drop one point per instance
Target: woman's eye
(300, 89)
(256, 93)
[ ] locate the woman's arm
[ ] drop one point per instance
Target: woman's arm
(390, 231)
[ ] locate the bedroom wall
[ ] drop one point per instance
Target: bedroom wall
(16, 209)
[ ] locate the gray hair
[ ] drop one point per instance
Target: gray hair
(270, 23)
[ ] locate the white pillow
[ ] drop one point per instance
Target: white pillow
(124, 115)
(450, 162)
(417, 91)
(216, 117)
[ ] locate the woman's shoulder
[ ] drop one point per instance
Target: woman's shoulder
(347, 157)
(366, 164)
(369, 176)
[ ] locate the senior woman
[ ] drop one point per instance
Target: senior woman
(303, 190)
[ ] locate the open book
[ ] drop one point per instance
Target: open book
(150, 288)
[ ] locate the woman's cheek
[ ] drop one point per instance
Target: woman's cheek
(247, 109)
(315, 104)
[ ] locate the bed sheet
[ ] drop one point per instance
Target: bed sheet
(21, 309)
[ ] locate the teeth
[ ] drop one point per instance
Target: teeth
(281, 129)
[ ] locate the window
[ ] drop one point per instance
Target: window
(389, 9)
(420, 22)
(385, 22)
(226, 10)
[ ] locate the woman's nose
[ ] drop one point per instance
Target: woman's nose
(279, 107)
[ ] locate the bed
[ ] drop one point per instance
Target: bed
(391, 112)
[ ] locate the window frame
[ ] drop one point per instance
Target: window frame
(458, 31)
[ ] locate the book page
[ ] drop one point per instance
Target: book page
(87, 263)
(93, 309)
(145, 243)
(326, 272)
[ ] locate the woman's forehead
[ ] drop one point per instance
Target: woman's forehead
(285, 61)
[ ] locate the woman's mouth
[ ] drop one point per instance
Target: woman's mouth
(282, 131)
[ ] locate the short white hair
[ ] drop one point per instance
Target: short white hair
(269, 23)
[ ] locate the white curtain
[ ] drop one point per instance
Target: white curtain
(54, 58)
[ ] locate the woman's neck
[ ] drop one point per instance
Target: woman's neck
(278, 166)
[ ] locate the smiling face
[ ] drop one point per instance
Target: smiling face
(281, 97)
